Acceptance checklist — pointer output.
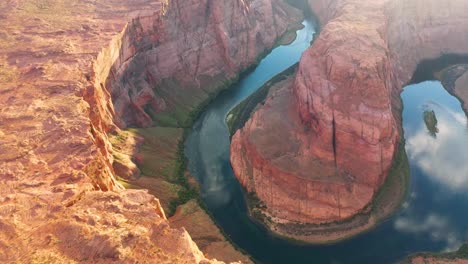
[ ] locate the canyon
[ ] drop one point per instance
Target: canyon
(74, 76)
(97, 98)
(343, 168)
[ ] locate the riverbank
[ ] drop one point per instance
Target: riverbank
(455, 80)
(458, 257)
(158, 155)
(384, 204)
(237, 117)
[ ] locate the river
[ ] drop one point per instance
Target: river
(433, 217)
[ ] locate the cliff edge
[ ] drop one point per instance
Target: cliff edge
(71, 72)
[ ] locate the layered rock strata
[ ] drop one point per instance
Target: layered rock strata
(342, 115)
(167, 67)
(63, 87)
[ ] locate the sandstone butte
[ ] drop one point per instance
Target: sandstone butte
(342, 115)
(73, 72)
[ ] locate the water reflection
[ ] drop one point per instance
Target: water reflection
(442, 158)
(433, 225)
(439, 167)
(433, 218)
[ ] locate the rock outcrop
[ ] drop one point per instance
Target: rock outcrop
(342, 115)
(63, 87)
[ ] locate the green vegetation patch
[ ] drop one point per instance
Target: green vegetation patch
(158, 156)
(396, 186)
(385, 203)
(162, 162)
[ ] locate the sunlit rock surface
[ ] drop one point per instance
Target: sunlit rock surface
(72, 71)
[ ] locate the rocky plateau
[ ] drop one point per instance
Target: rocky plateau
(74, 72)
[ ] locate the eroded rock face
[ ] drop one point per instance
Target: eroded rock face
(345, 132)
(60, 201)
(170, 64)
(342, 117)
(418, 30)
(100, 227)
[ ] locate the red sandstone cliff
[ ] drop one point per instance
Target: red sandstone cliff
(342, 115)
(170, 65)
(63, 87)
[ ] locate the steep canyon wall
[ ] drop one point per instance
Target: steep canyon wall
(168, 66)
